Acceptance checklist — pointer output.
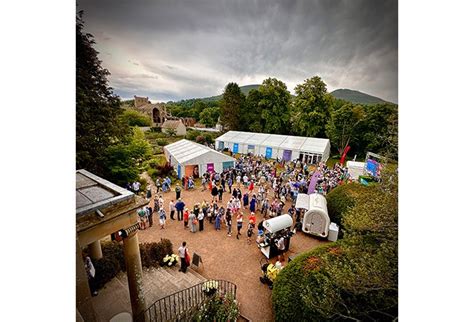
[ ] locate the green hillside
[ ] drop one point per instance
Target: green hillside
(356, 97)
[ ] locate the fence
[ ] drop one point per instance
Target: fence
(180, 306)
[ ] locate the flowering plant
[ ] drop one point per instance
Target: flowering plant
(170, 260)
(210, 287)
(218, 308)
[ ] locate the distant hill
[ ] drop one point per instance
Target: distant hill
(245, 90)
(356, 97)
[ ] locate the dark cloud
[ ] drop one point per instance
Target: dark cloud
(194, 48)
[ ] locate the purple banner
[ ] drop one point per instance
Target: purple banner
(210, 167)
(312, 183)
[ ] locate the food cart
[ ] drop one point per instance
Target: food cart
(275, 228)
(316, 219)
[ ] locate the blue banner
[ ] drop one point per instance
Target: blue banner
(179, 171)
(236, 148)
(268, 153)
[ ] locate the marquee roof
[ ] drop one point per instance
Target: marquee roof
(188, 152)
(287, 142)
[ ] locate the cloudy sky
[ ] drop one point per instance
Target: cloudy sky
(171, 50)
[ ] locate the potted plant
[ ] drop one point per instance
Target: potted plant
(170, 260)
(210, 287)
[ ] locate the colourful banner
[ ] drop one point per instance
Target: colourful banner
(210, 167)
(268, 153)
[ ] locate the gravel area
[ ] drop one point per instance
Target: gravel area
(226, 257)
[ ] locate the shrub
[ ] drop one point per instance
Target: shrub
(192, 134)
(135, 118)
(161, 142)
(200, 139)
(218, 308)
(155, 129)
(355, 278)
(342, 198)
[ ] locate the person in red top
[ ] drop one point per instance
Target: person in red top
(252, 218)
(186, 218)
(251, 186)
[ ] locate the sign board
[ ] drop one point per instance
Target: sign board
(236, 148)
(210, 167)
(196, 259)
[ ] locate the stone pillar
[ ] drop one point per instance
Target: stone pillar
(95, 250)
(134, 273)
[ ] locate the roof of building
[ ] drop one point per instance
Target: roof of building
(171, 124)
(288, 142)
(188, 152)
(93, 192)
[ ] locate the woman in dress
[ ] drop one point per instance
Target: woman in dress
(192, 222)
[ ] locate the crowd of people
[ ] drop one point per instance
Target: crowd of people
(255, 185)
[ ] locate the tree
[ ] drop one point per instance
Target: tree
(231, 105)
(311, 108)
(344, 124)
(380, 128)
(209, 116)
(122, 161)
(198, 107)
(135, 118)
(251, 116)
(170, 132)
(97, 109)
(274, 103)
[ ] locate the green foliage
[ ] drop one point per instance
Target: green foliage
(356, 277)
(152, 254)
(170, 132)
(344, 125)
(342, 198)
(192, 135)
(124, 159)
(209, 116)
(232, 103)
(250, 118)
(218, 308)
(135, 118)
(274, 102)
(311, 108)
(98, 111)
(161, 142)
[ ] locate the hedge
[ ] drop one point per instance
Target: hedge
(342, 198)
(113, 260)
(352, 277)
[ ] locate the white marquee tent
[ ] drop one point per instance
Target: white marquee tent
(190, 158)
(274, 146)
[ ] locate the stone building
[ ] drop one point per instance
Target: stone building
(158, 112)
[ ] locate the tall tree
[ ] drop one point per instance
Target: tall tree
(232, 104)
(250, 117)
(274, 102)
(209, 116)
(97, 108)
(343, 125)
(311, 108)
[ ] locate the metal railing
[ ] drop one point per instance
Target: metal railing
(181, 305)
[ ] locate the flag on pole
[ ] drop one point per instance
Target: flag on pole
(343, 157)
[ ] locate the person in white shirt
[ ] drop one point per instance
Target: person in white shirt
(182, 255)
(172, 209)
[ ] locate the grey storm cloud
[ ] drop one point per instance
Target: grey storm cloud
(171, 50)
